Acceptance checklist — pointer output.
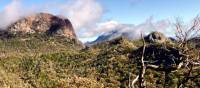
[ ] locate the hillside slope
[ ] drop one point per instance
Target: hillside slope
(50, 63)
(37, 55)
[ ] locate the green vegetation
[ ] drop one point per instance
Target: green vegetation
(40, 61)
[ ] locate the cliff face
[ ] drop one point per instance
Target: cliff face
(43, 23)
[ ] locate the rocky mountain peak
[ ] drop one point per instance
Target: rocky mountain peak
(43, 23)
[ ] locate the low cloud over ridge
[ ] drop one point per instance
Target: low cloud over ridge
(131, 30)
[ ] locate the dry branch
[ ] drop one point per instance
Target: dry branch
(143, 66)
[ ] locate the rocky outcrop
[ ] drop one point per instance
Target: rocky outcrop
(43, 23)
(156, 37)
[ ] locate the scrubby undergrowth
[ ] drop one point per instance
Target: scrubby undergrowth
(53, 62)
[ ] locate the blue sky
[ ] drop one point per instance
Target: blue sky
(137, 11)
(134, 12)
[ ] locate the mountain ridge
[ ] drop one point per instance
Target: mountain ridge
(42, 23)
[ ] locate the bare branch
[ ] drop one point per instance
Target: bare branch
(143, 67)
(184, 33)
(134, 81)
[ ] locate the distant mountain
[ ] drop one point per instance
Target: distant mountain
(43, 23)
(42, 26)
(108, 37)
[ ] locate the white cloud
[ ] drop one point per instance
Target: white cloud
(82, 13)
(132, 31)
(10, 13)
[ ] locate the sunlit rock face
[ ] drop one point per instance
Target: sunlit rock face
(43, 23)
(156, 37)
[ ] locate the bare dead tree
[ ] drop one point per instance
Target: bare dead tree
(143, 66)
(184, 33)
(142, 70)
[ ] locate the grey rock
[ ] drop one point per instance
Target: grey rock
(156, 37)
(43, 23)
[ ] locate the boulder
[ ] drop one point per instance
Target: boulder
(156, 37)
